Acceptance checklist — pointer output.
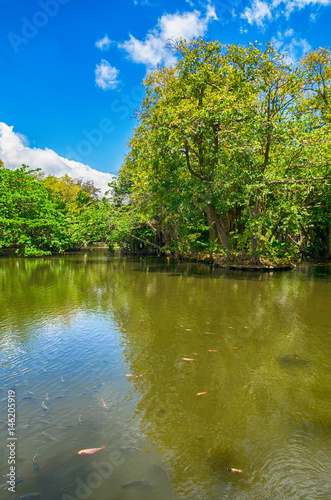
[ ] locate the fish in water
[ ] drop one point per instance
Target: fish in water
(5, 486)
(44, 421)
(90, 451)
(29, 496)
(292, 360)
(46, 396)
(34, 463)
(49, 436)
(44, 406)
(69, 487)
(235, 471)
(137, 483)
(104, 405)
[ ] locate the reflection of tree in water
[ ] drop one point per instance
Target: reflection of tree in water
(168, 314)
(252, 397)
(35, 290)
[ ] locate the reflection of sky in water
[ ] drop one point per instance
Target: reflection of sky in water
(73, 327)
(71, 395)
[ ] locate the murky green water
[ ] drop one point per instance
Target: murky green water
(73, 327)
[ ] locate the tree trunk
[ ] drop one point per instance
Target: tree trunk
(217, 228)
(255, 253)
(254, 235)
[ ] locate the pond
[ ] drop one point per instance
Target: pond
(200, 383)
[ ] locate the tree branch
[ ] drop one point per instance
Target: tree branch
(146, 242)
(188, 163)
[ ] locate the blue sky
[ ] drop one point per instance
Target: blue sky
(71, 69)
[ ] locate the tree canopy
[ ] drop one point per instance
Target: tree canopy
(40, 215)
(236, 140)
(231, 155)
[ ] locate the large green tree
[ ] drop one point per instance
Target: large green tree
(239, 135)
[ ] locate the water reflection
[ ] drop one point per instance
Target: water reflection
(74, 326)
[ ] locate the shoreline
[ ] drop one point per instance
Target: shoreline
(222, 262)
(239, 263)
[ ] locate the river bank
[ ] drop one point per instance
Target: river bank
(241, 262)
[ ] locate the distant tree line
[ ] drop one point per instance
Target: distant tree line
(41, 215)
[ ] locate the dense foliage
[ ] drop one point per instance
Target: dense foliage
(39, 216)
(232, 153)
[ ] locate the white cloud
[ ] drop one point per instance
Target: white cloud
(291, 5)
(257, 13)
(14, 152)
(260, 11)
(294, 48)
(104, 43)
(154, 50)
(106, 75)
(289, 32)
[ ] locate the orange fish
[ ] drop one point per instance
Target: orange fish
(188, 359)
(235, 347)
(104, 405)
(90, 451)
(213, 350)
(201, 393)
(235, 471)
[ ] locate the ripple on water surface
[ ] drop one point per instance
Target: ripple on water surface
(261, 371)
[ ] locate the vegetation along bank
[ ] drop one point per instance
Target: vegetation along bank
(230, 161)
